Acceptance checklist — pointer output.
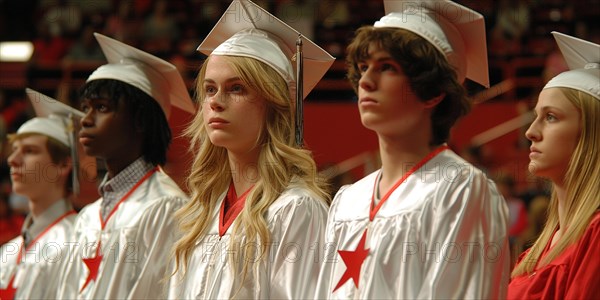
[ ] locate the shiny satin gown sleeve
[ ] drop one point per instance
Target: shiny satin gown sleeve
(296, 265)
(156, 236)
(469, 225)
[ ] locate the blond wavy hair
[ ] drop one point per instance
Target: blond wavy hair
(279, 161)
(582, 182)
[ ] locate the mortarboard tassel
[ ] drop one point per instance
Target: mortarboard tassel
(299, 93)
(71, 133)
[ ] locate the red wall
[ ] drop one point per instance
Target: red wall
(483, 117)
(334, 131)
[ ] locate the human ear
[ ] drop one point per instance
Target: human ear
(66, 166)
(431, 103)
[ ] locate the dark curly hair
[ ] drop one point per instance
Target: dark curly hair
(146, 113)
(427, 69)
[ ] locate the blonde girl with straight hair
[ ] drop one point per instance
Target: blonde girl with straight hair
(255, 222)
(581, 189)
(563, 263)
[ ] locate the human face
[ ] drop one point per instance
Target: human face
(554, 134)
(233, 112)
(107, 130)
(31, 168)
(387, 103)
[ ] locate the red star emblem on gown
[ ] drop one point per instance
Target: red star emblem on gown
(353, 260)
(93, 264)
(9, 292)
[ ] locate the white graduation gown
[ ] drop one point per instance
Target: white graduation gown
(442, 234)
(36, 276)
(136, 244)
(296, 221)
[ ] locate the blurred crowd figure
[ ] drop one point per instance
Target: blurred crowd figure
(511, 26)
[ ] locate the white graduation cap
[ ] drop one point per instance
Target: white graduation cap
(156, 77)
(457, 31)
(60, 122)
(246, 29)
(583, 59)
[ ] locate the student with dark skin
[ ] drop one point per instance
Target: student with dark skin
(123, 239)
